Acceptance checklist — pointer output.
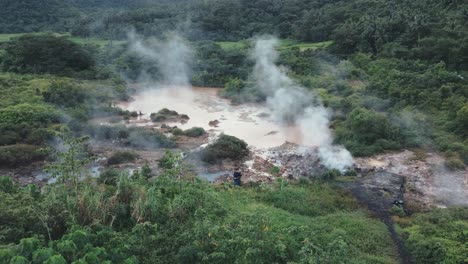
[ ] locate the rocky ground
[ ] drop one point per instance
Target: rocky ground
(428, 180)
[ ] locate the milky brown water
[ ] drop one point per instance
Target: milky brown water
(250, 122)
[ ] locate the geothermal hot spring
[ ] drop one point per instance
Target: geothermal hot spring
(249, 122)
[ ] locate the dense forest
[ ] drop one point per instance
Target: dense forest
(393, 74)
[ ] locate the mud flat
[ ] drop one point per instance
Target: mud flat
(249, 122)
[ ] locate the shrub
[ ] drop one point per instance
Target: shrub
(194, 132)
(26, 123)
(454, 163)
(45, 53)
(157, 117)
(275, 170)
(177, 131)
(19, 260)
(41, 255)
(145, 138)
(28, 113)
(351, 173)
(168, 112)
(6, 184)
(162, 115)
(108, 132)
(330, 175)
(146, 171)
(169, 160)
(109, 176)
(366, 132)
(225, 147)
(16, 155)
(438, 236)
(64, 93)
(397, 210)
(120, 157)
(6, 254)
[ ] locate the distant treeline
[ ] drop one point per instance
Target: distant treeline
(426, 29)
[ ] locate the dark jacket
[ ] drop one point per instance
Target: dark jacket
(237, 175)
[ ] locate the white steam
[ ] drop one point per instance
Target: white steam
(172, 56)
(292, 103)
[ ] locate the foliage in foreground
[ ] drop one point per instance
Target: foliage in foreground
(166, 220)
(440, 236)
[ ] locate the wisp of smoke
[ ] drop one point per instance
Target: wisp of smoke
(173, 57)
(292, 103)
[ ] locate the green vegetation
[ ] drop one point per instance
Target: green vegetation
(225, 147)
(233, 45)
(20, 154)
(394, 74)
(195, 132)
(99, 42)
(168, 219)
(438, 236)
(191, 132)
(35, 15)
(135, 136)
(45, 54)
(109, 177)
(27, 123)
(144, 138)
(163, 115)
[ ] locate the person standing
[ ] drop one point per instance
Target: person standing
(237, 177)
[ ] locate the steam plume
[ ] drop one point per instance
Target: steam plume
(173, 57)
(292, 103)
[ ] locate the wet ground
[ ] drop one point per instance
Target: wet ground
(249, 122)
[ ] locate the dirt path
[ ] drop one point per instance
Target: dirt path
(377, 192)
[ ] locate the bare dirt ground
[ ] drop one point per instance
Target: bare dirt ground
(428, 181)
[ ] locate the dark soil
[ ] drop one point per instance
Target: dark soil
(378, 191)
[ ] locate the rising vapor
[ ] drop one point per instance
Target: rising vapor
(173, 57)
(292, 103)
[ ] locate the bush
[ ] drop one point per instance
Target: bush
(366, 132)
(438, 236)
(351, 173)
(330, 175)
(120, 157)
(45, 53)
(225, 147)
(168, 112)
(26, 123)
(146, 171)
(16, 155)
(145, 138)
(177, 131)
(109, 176)
(162, 115)
(454, 163)
(64, 93)
(6, 184)
(108, 132)
(28, 113)
(6, 254)
(397, 210)
(194, 132)
(157, 117)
